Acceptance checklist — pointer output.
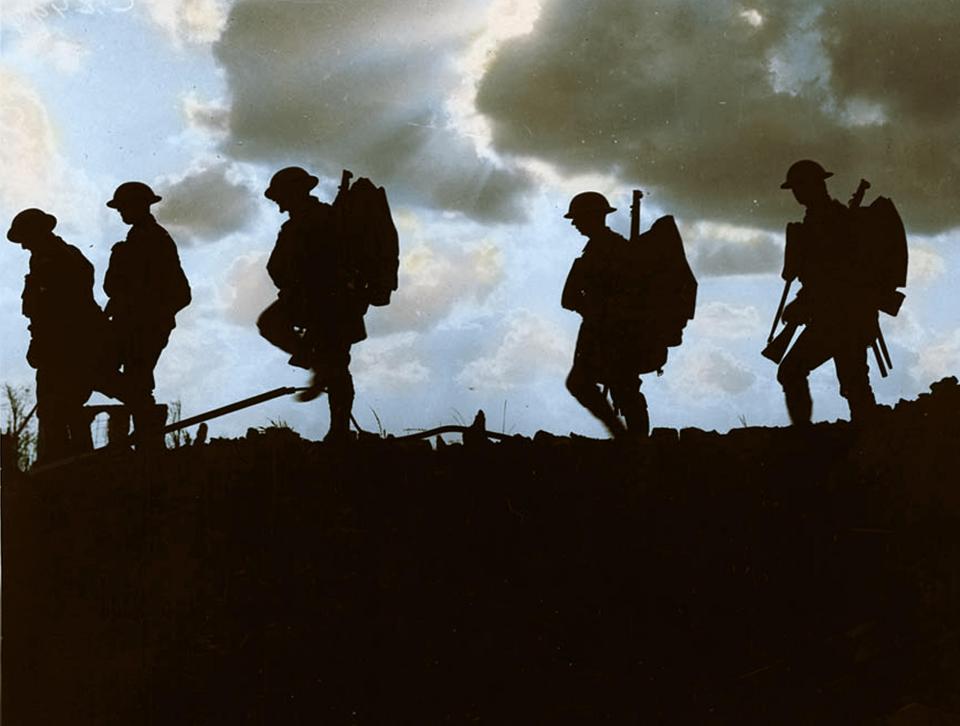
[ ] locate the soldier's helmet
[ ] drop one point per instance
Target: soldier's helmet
(132, 193)
(588, 203)
(30, 222)
(290, 180)
(805, 170)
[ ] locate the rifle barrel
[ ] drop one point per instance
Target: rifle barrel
(783, 304)
(777, 348)
(223, 410)
(879, 357)
(883, 348)
(635, 215)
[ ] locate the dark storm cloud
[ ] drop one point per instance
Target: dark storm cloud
(758, 255)
(206, 205)
(905, 55)
(362, 86)
(710, 102)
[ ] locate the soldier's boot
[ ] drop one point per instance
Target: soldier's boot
(340, 397)
(53, 439)
(863, 405)
(276, 328)
(118, 427)
(637, 416)
(148, 422)
(318, 384)
(596, 403)
(799, 402)
(81, 439)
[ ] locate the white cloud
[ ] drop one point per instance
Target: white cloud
(713, 371)
(392, 363)
(212, 117)
(193, 361)
(190, 21)
(531, 347)
(434, 278)
(726, 321)
(904, 329)
(62, 52)
(925, 266)
(938, 359)
(248, 289)
(34, 172)
(28, 151)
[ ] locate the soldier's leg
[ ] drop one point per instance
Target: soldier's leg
(853, 375)
(583, 385)
(632, 404)
(144, 352)
(320, 349)
(78, 420)
(142, 356)
(53, 430)
(811, 350)
(276, 326)
(340, 392)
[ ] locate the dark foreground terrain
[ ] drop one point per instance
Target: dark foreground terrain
(765, 576)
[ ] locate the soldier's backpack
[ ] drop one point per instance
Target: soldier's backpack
(883, 252)
(369, 236)
(674, 288)
(179, 294)
(659, 295)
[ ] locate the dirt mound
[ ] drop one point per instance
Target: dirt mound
(762, 576)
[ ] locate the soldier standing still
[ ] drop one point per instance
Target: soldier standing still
(606, 352)
(840, 318)
(147, 288)
(317, 315)
(66, 333)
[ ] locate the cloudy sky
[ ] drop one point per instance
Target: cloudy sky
(482, 118)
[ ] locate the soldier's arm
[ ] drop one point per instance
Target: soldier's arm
(573, 288)
(114, 276)
(798, 310)
(281, 264)
(81, 274)
(28, 299)
(273, 269)
(171, 282)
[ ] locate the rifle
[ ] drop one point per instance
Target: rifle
(223, 410)
(891, 305)
(777, 346)
(344, 187)
(635, 215)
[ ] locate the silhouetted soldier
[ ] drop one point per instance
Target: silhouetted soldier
(66, 333)
(317, 315)
(839, 314)
(606, 352)
(147, 288)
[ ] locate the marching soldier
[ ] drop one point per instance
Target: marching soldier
(318, 314)
(834, 303)
(66, 333)
(147, 288)
(606, 353)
